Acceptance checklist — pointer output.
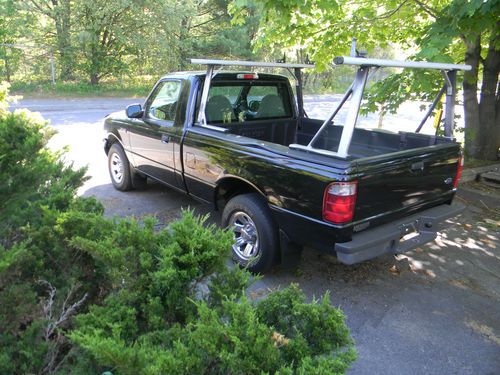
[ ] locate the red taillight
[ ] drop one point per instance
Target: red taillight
(339, 202)
(459, 171)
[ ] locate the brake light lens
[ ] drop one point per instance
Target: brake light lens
(460, 167)
(247, 76)
(339, 202)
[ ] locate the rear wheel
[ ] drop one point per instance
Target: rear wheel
(255, 233)
(119, 168)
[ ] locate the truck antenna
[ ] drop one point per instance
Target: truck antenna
(353, 52)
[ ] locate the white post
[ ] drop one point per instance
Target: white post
(52, 69)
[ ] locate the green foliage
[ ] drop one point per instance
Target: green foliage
(125, 87)
(389, 93)
(4, 98)
(108, 40)
(41, 276)
(235, 337)
(106, 35)
(31, 176)
(13, 25)
(325, 28)
(175, 308)
(159, 270)
(313, 328)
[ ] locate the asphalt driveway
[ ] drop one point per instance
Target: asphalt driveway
(435, 310)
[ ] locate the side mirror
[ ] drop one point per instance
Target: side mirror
(134, 111)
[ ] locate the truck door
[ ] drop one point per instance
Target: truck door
(154, 137)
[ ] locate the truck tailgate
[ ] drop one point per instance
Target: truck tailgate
(395, 184)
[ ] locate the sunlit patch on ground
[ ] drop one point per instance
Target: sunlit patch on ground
(483, 330)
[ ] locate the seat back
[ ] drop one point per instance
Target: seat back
(271, 106)
(217, 108)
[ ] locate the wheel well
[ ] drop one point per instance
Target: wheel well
(110, 141)
(229, 188)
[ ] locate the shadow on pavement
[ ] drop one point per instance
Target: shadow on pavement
(154, 200)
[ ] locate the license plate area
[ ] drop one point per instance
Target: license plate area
(408, 236)
(408, 230)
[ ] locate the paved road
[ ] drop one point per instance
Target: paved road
(434, 311)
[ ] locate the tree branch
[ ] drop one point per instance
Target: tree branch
(431, 12)
(66, 311)
(205, 22)
(40, 9)
(387, 14)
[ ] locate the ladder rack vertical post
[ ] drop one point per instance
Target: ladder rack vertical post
(450, 104)
(202, 120)
(300, 98)
(352, 115)
(431, 108)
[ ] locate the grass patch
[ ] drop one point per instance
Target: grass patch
(138, 87)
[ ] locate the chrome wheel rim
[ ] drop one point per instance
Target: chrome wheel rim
(116, 168)
(246, 237)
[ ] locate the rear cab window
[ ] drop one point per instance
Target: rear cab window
(238, 101)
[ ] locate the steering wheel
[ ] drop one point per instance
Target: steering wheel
(241, 107)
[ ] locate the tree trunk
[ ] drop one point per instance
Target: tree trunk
(183, 37)
(62, 20)
(94, 79)
(471, 105)
(497, 112)
(488, 135)
(94, 61)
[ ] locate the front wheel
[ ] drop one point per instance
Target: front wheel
(119, 168)
(255, 232)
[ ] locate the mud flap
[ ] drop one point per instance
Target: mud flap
(290, 252)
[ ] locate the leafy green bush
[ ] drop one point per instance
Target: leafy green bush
(43, 280)
(123, 87)
(84, 294)
(175, 308)
(33, 179)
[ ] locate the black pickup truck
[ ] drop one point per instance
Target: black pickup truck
(243, 142)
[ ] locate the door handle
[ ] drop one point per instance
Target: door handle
(165, 138)
(419, 166)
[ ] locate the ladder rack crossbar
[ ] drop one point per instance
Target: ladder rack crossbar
(250, 63)
(361, 61)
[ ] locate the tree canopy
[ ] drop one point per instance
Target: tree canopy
(99, 39)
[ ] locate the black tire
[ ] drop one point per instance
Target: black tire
(251, 210)
(119, 168)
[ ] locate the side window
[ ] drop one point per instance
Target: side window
(163, 103)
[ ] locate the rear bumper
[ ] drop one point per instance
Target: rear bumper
(306, 231)
(387, 239)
